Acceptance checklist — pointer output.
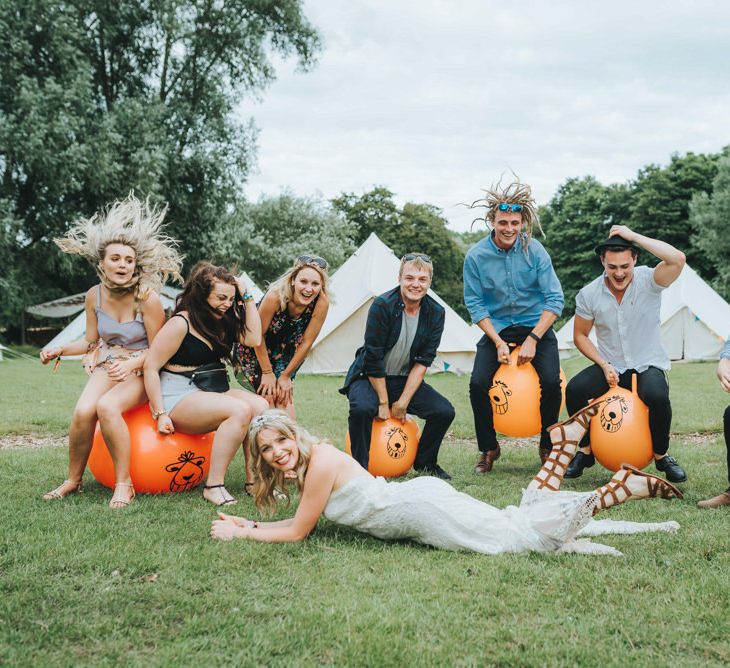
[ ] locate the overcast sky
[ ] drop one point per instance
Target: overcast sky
(436, 99)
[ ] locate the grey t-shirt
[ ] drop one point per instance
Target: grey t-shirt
(397, 359)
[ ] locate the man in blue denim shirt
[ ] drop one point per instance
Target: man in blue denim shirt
(402, 334)
(723, 375)
(514, 296)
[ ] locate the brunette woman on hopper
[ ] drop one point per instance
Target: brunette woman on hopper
(292, 314)
(123, 315)
(213, 312)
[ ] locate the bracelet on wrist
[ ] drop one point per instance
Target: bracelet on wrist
(267, 371)
(382, 403)
(156, 415)
(532, 335)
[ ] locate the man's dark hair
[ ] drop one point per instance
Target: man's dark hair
(618, 249)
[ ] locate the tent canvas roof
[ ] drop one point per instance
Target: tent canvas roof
(370, 271)
(65, 306)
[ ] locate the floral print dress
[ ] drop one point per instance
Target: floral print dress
(282, 340)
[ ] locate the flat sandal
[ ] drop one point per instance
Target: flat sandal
(124, 502)
(227, 501)
(56, 494)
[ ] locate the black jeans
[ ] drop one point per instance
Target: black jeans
(426, 403)
(547, 365)
(651, 386)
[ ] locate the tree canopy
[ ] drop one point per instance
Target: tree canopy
(710, 220)
(97, 99)
(417, 228)
(264, 238)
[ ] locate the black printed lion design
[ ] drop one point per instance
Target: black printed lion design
(188, 470)
(498, 393)
(612, 413)
(397, 442)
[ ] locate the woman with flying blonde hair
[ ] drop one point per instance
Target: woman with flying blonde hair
(292, 314)
(427, 509)
(123, 315)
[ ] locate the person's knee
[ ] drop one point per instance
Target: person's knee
(241, 415)
(107, 409)
(551, 388)
(259, 405)
(445, 412)
(656, 398)
(84, 412)
(477, 389)
(578, 387)
(362, 410)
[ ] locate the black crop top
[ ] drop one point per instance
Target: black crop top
(192, 351)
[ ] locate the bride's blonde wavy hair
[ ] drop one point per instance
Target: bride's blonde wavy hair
(135, 224)
(269, 481)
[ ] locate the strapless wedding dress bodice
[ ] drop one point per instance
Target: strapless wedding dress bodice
(430, 511)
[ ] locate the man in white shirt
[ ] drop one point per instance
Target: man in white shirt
(623, 304)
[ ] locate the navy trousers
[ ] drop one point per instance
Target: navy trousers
(426, 403)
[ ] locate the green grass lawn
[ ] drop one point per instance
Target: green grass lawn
(81, 584)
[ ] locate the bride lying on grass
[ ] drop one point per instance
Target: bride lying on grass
(428, 510)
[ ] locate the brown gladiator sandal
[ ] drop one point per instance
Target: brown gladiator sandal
(657, 486)
(610, 494)
(550, 475)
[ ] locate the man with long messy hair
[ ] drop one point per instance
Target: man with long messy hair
(514, 296)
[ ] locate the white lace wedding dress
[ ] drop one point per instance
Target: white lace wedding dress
(430, 511)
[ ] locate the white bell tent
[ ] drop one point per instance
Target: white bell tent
(695, 320)
(370, 271)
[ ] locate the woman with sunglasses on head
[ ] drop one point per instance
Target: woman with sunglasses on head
(427, 509)
(191, 392)
(123, 315)
(292, 314)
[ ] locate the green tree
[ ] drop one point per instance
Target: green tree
(660, 204)
(577, 217)
(97, 99)
(264, 238)
(710, 220)
(374, 211)
(414, 228)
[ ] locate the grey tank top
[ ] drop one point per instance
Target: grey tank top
(131, 335)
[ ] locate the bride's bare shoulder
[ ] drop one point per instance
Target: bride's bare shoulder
(325, 454)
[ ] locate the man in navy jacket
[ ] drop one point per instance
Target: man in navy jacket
(402, 334)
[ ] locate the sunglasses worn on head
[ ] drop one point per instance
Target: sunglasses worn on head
(314, 260)
(510, 207)
(409, 257)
